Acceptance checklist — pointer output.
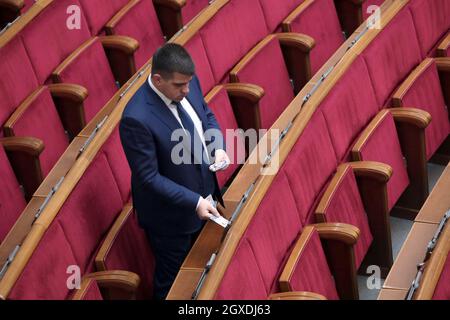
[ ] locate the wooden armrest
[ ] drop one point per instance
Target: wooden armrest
(14, 5)
(296, 295)
(342, 232)
(374, 170)
(69, 91)
(443, 46)
(28, 145)
(299, 41)
(443, 64)
(124, 44)
(248, 91)
(116, 284)
(416, 117)
(172, 4)
(111, 236)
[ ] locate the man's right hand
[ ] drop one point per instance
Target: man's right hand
(205, 210)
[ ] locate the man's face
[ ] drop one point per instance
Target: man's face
(175, 88)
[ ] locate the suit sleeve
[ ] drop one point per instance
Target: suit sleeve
(139, 147)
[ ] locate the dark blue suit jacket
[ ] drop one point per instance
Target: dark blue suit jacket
(165, 194)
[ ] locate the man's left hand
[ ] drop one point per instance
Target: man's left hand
(220, 156)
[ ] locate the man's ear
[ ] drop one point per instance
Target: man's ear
(156, 78)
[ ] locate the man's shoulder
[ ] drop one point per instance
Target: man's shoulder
(138, 103)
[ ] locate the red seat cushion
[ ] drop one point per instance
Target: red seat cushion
(346, 206)
(309, 165)
(383, 146)
(16, 68)
(243, 269)
(273, 229)
(320, 21)
(99, 12)
(192, 8)
(91, 70)
(49, 41)
(442, 291)
(426, 93)
(349, 106)
(46, 276)
(312, 272)
(221, 107)
(392, 55)
(12, 201)
(367, 8)
(273, 77)
(275, 13)
(41, 120)
(149, 38)
(90, 210)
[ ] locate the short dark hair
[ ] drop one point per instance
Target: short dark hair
(171, 58)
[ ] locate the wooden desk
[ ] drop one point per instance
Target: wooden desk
(392, 294)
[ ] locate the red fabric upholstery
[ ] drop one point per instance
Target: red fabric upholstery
(131, 251)
(320, 21)
(45, 276)
(99, 12)
(366, 6)
(237, 27)
(92, 292)
(349, 106)
(90, 210)
(192, 8)
(90, 69)
(442, 291)
(346, 207)
(49, 41)
(243, 269)
(309, 165)
(119, 164)
(149, 37)
(393, 54)
(312, 272)
(275, 13)
(383, 146)
(41, 120)
(203, 69)
(12, 201)
(426, 93)
(273, 229)
(431, 21)
(268, 70)
(18, 78)
(221, 107)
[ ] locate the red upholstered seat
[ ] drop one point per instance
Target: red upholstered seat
(431, 19)
(319, 20)
(192, 8)
(275, 14)
(345, 206)
(220, 105)
(238, 27)
(367, 8)
(265, 67)
(131, 21)
(88, 67)
(45, 276)
(442, 291)
(11, 197)
(18, 78)
(424, 91)
(243, 269)
(380, 143)
(310, 164)
(392, 56)
(311, 272)
(99, 12)
(37, 117)
(48, 40)
(349, 107)
(89, 212)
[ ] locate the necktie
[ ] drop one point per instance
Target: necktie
(188, 124)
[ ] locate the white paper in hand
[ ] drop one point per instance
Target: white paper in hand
(219, 220)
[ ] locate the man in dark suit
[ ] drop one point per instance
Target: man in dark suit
(169, 183)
